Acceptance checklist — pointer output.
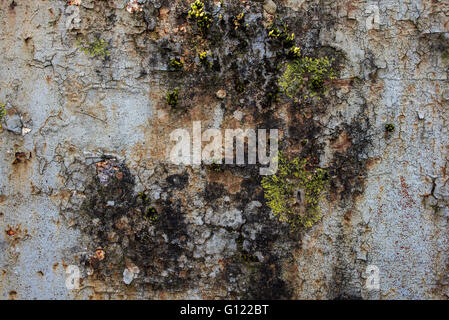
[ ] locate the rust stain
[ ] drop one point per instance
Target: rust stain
(406, 196)
(10, 232)
(342, 143)
(22, 157)
(99, 254)
(371, 162)
(348, 216)
(231, 182)
(12, 295)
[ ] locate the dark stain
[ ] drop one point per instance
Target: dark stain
(126, 224)
(213, 191)
(178, 181)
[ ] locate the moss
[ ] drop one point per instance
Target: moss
(172, 98)
(176, 64)
(240, 87)
(144, 198)
(272, 96)
(204, 60)
(97, 48)
(239, 22)
(151, 215)
(2, 113)
(281, 190)
(198, 14)
(294, 53)
(307, 75)
(282, 35)
(389, 127)
(216, 167)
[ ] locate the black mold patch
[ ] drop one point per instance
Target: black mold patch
(264, 278)
(213, 191)
(348, 169)
(267, 284)
(178, 181)
(125, 233)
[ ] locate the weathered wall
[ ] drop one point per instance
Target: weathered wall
(96, 156)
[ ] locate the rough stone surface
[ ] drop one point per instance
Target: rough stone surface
(94, 164)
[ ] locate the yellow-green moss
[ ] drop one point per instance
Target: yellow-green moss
(172, 98)
(389, 127)
(144, 198)
(281, 190)
(176, 64)
(308, 76)
(2, 113)
(197, 13)
(294, 53)
(97, 48)
(151, 215)
(203, 56)
(239, 21)
(282, 35)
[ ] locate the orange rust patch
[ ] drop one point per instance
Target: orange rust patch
(348, 216)
(371, 162)
(64, 195)
(141, 151)
(163, 13)
(404, 191)
(342, 84)
(12, 295)
(231, 182)
(10, 232)
(183, 274)
(99, 254)
(342, 143)
(222, 263)
(122, 224)
(21, 157)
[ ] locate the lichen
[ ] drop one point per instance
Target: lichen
(144, 198)
(294, 53)
(239, 22)
(2, 113)
(281, 192)
(151, 215)
(203, 56)
(389, 127)
(308, 76)
(216, 167)
(172, 98)
(176, 64)
(97, 48)
(282, 35)
(200, 16)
